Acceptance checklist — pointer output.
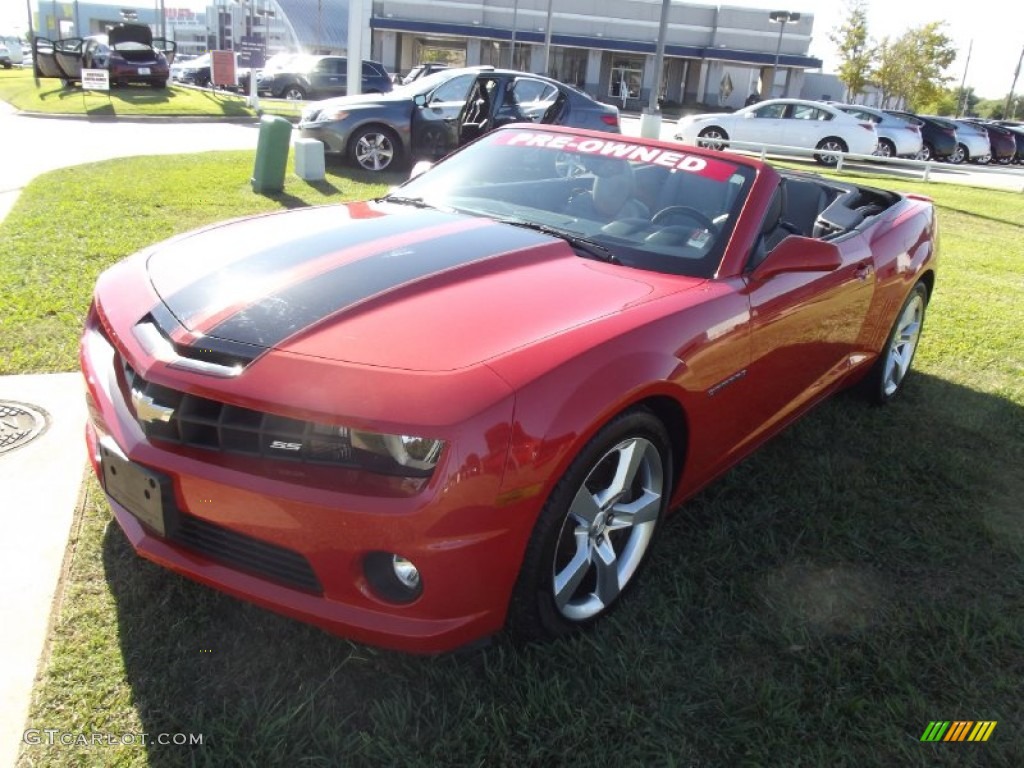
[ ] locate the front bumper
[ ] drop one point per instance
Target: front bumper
(245, 522)
(333, 137)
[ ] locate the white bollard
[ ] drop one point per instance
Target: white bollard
(309, 160)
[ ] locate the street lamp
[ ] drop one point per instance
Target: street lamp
(781, 18)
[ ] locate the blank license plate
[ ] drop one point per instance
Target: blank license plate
(143, 70)
(139, 490)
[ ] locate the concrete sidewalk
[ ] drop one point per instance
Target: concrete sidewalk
(41, 481)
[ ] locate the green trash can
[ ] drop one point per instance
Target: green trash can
(271, 154)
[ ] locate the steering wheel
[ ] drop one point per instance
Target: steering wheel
(665, 214)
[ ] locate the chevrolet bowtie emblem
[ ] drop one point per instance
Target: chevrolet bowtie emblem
(148, 410)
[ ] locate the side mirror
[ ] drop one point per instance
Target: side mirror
(420, 168)
(798, 254)
(419, 100)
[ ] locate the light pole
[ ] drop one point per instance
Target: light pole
(782, 18)
(1009, 96)
(547, 41)
(515, 19)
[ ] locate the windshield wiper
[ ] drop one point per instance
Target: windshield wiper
(590, 247)
(418, 202)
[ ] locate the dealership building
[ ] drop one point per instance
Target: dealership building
(715, 55)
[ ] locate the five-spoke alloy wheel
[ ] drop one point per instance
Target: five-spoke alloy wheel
(596, 529)
(886, 377)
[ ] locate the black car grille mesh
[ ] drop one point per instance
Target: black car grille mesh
(240, 551)
(198, 422)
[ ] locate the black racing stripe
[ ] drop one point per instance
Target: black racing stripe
(285, 257)
(273, 319)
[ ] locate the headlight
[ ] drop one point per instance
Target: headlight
(408, 451)
(333, 114)
(392, 454)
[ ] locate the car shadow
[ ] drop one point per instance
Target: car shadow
(821, 537)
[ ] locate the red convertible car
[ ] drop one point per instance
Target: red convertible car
(470, 404)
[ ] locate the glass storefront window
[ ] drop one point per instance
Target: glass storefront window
(627, 77)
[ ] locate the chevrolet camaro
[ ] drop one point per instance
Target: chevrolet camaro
(468, 406)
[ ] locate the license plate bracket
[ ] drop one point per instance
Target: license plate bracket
(147, 494)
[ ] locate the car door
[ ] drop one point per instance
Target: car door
(805, 332)
(58, 58)
(328, 78)
(167, 47)
(764, 125)
(805, 126)
(526, 99)
(435, 117)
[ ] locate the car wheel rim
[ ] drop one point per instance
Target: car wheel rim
(832, 146)
(903, 344)
(608, 529)
(374, 152)
(713, 140)
(293, 95)
(885, 150)
(959, 155)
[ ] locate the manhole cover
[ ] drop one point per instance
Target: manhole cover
(20, 424)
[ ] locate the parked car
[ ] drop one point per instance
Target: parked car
(782, 123)
(195, 72)
(938, 139)
(320, 77)
(1017, 129)
(128, 52)
(1002, 141)
(897, 136)
(972, 142)
(435, 114)
(415, 420)
(5, 57)
(422, 70)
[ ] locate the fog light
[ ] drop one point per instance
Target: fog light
(393, 578)
(405, 572)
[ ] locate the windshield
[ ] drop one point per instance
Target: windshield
(648, 207)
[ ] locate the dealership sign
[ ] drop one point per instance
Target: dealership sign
(95, 80)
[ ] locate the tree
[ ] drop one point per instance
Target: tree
(855, 52)
(912, 69)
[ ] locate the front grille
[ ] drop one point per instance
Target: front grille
(198, 422)
(246, 553)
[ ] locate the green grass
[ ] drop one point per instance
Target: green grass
(855, 579)
(18, 87)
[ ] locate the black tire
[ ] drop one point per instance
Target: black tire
(294, 93)
(927, 152)
(594, 552)
(713, 137)
(886, 148)
(375, 148)
(835, 145)
(885, 380)
(960, 155)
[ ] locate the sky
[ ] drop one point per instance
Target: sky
(997, 35)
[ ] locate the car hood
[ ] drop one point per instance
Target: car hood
(130, 33)
(701, 118)
(384, 285)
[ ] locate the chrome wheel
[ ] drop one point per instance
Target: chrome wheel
(713, 138)
(294, 93)
(925, 153)
(608, 529)
(959, 155)
(903, 344)
(885, 148)
(373, 150)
